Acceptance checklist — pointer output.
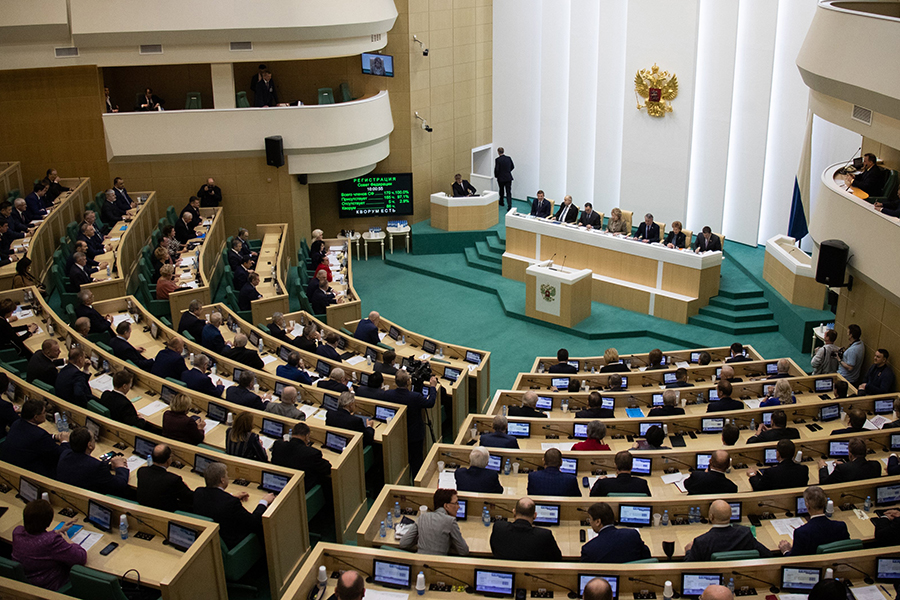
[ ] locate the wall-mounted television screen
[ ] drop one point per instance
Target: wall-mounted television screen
(376, 195)
(378, 64)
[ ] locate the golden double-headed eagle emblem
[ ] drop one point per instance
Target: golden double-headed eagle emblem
(657, 89)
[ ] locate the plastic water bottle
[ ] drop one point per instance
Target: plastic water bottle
(212, 369)
(50, 328)
(540, 367)
(486, 516)
(368, 360)
(192, 359)
(123, 527)
(383, 530)
(505, 410)
(389, 520)
(396, 510)
(752, 424)
(507, 467)
(65, 422)
(108, 270)
(868, 503)
(261, 346)
(731, 584)
(420, 583)
(700, 398)
(149, 460)
(829, 509)
(58, 420)
(403, 339)
(665, 518)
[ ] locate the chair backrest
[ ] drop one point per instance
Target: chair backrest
(643, 561)
(688, 235)
(889, 191)
(89, 584)
(326, 96)
(193, 101)
(240, 100)
(735, 555)
(627, 215)
(721, 237)
(345, 92)
(839, 546)
(662, 230)
(99, 409)
(11, 569)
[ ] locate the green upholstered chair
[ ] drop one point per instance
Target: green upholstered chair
(735, 555)
(839, 546)
(193, 101)
(326, 96)
(240, 100)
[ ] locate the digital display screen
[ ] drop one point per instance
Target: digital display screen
(341, 343)
(279, 389)
(771, 456)
(624, 382)
(494, 582)
(493, 463)
(28, 491)
(824, 385)
(830, 413)
(376, 195)
(544, 403)
(154, 330)
(323, 368)
(569, 465)
(272, 428)
(838, 449)
(580, 431)
(429, 346)
(273, 482)
(253, 339)
(796, 578)
(180, 536)
(473, 357)
(801, 506)
(371, 354)
(451, 373)
(143, 447)
(573, 363)
(771, 368)
(641, 465)
(703, 461)
(384, 414)
(329, 402)
(634, 515)
(884, 407)
(608, 403)
(895, 441)
(768, 389)
(888, 569)
(646, 426)
(394, 333)
(887, 494)
(546, 514)
(718, 372)
(669, 378)
(713, 395)
(216, 412)
(201, 462)
(713, 425)
(516, 429)
(657, 399)
(695, 357)
(335, 442)
(99, 515)
(364, 379)
(391, 574)
(284, 353)
(767, 419)
(91, 425)
(167, 394)
(735, 511)
(693, 584)
(612, 580)
(560, 383)
(236, 374)
(377, 64)
(461, 510)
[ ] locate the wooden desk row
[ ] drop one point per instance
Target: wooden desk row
(351, 309)
(11, 178)
(284, 551)
(347, 475)
(718, 355)
(210, 265)
(272, 264)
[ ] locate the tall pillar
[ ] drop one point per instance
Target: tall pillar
(222, 85)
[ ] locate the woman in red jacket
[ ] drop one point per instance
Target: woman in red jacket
(596, 431)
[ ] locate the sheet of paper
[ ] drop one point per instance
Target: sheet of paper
(209, 425)
(355, 360)
(121, 319)
(866, 592)
(104, 383)
(136, 462)
(219, 380)
(297, 331)
(319, 415)
(682, 364)
(447, 480)
(425, 356)
(679, 485)
(269, 359)
(153, 408)
(308, 410)
(879, 421)
(86, 539)
(592, 480)
(547, 445)
(382, 335)
(787, 526)
(379, 595)
(400, 530)
(792, 597)
(187, 275)
(870, 425)
(674, 477)
(753, 403)
(884, 461)
(830, 465)
(23, 314)
(566, 446)
(267, 442)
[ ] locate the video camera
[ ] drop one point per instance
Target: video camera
(419, 373)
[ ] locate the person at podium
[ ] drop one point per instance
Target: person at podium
(541, 207)
(461, 187)
(648, 231)
(588, 218)
(707, 242)
(675, 238)
(616, 223)
(568, 212)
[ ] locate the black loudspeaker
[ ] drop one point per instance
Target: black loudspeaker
(275, 151)
(832, 262)
(302, 179)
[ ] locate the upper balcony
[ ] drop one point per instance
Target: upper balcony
(328, 142)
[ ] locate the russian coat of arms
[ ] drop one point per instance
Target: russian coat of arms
(657, 89)
(548, 292)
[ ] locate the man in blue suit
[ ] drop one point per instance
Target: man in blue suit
(648, 231)
(292, 370)
(35, 200)
(123, 349)
(77, 467)
(475, 477)
(541, 207)
(169, 361)
(72, 382)
(196, 379)
(549, 481)
(818, 530)
(498, 438)
(612, 545)
(367, 329)
(30, 446)
(211, 338)
(415, 402)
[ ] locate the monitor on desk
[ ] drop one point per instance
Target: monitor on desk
(341, 343)
(323, 368)
(657, 400)
(473, 357)
(95, 360)
(585, 578)
(364, 379)
(284, 352)
(272, 428)
(429, 347)
(669, 378)
(273, 482)
(695, 357)
(493, 463)
(573, 363)
(569, 465)
(888, 569)
(406, 363)
(641, 466)
(167, 394)
(638, 516)
(801, 506)
(28, 491)
(693, 584)
(560, 383)
(253, 339)
(236, 374)
(544, 403)
(495, 583)
(546, 514)
(713, 395)
(371, 354)
(216, 412)
(154, 330)
(735, 511)
(608, 402)
(887, 494)
(99, 515)
(645, 426)
(624, 382)
(201, 462)
(461, 514)
(838, 449)
(518, 429)
(384, 414)
(830, 413)
(392, 575)
(823, 386)
(180, 537)
(336, 442)
(580, 431)
(279, 389)
(329, 402)
(703, 461)
(143, 447)
(884, 407)
(718, 372)
(799, 578)
(452, 374)
(394, 333)
(767, 419)
(768, 389)
(771, 457)
(712, 424)
(771, 368)
(91, 425)
(895, 441)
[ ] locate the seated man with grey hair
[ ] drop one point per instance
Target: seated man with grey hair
(212, 501)
(336, 382)
(475, 477)
(818, 530)
(82, 326)
(210, 336)
(287, 407)
(345, 418)
(197, 380)
(670, 406)
(596, 431)
(529, 401)
(498, 438)
(240, 353)
(85, 308)
(648, 231)
(783, 367)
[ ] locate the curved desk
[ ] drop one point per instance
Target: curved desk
(466, 213)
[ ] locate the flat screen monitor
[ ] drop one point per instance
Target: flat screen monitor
(461, 514)
(544, 403)
(95, 360)
(580, 431)
(713, 395)
(695, 357)
(336, 442)
(473, 357)
(236, 374)
(494, 463)
(560, 383)
(657, 399)
(406, 363)
(376, 195)
(641, 466)
(546, 514)
(452, 374)
(272, 428)
(216, 412)
(573, 363)
(371, 354)
(768, 389)
(895, 441)
(273, 482)
(823, 386)
(495, 583)
(341, 344)
(767, 419)
(799, 578)
(181, 537)
(201, 462)
(284, 353)
(712, 424)
(253, 339)
(394, 333)
(884, 407)
(323, 368)
(364, 379)
(669, 378)
(167, 394)
(377, 64)
(771, 368)
(638, 516)
(838, 449)
(518, 429)
(91, 425)
(28, 491)
(329, 402)
(888, 569)
(735, 511)
(801, 506)
(154, 330)
(391, 574)
(143, 447)
(384, 414)
(608, 402)
(771, 456)
(279, 389)
(612, 580)
(99, 515)
(693, 584)
(429, 347)
(645, 426)
(703, 461)
(830, 413)
(569, 465)
(887, 494)
(718, 372)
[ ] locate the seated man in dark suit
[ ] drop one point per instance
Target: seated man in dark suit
(123, 349)
(248, 292)
(158, 488)
(35, 200)
(879, 379)
(723, 536)
(713, 479)
(169, 361)
(110, 212)
(612, 545)
(329, 349)
(562, 363)
(856, 418)
(786, 474)
(211, 338)
(99, 323)
(725, 401)
(648, 231)
(373, 388)
(589, 218)
(498, 438)
(730, 434)
(461, 187)
(541, 207)
(322, 297)
(681, 381)
(292, 370)
(529, 401)
(624, 482)
(887, 528)
(855, 469)
(778, 431)
(30, 446)
(707, 242)
(243, 395)
(669, 408)
(477, 478)
(367, 329)
(521, 540)
(79, 273)
(42, 365)
(77, 467)
(870, 179)
(183, 230)
(549, 481)
(240, 353)
(298, 453)
(242, 273)
(345, 418)
(568, 212)
(193, 207)
(72, 381)
(94, 243)
(197, 380)
(818, 530)
(737, 354)
(782, 369)
(192, 320)
(120, 407)
(595, 408)
(336, 382)
(235, 258)
(386, 365)
(235, 522)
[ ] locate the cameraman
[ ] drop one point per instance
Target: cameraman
(415, 426)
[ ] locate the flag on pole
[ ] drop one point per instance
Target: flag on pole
(797, 226)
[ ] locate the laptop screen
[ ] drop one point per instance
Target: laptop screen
(569, 465)
(143, 447)
(735, 511)
(91, 425)
(703, 461)
(801, 506)
(394, 333)
(580, 431)
(99, 515)
(546, 514)
(695, 357)
(712, 425)
(645, 426)
(693, 584)
(884, 407)
(167, 394)
(279, 389)
(608, 403)
(836, 449)
(887, 494)
(634, 515)
(284, 353)
(657, 399)
(384, 414)
(771, 368)
(560, 383)
(28, 491)
(493, 463)
(236, 374)
(798, 578)
(573, 363)
(451, 373)
(323, 368)
(888, 569)
(181, 537)
(429, 347)
(391, 574)
(824, 385)
(461, 511)
(216, 412)
(641, 466)
(612, 580)
(669, 378)
(329, 402)
(272, 428)
(273, 482)
(520, 430)
(201, 462)
(767, 419)
(473, 357)
(336, 442)
(253, 339)
(830, 413)
(544, 403)
(494, 583)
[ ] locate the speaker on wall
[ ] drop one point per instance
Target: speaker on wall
(275, 151)
(833, 256)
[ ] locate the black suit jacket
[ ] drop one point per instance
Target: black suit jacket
(786, 474)
(235, 521)
(244, 397)
(294, 454)
(723, 404)
(29, 446)
(72, 386)
(870, 181)
(415, 403)
(571, 214)
(198, 381)
(327, 351)
(168, 363)
(677, 240)
(520, 540)
(183, 232)
(78, 277)
(623, 483)
(541, 208)
(87, 472)
(192, 324)
(665, 411)
(503, 168)
(562, 368)
(123, 349)
(332, 385)
(209, 196)
(708, 246)
(247, 295)
(643, 234)
(498, 440)
(709, 482)
(773, 435)
(154, 99)
(158, 488)
(110, 213)
(121, 409)
(463, 189)
(99, 324)
(196, 219)
(592, 219)
(817, 531)
(614, 545)
(724, 539)
(245, 356)
(321, 300)
(344, 420)
(478, 479)
(525, 411)
(594, 413)
(42, 368)
(854, 470)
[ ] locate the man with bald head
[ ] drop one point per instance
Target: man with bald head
(713, 479)
(287, 407)
(521, 540)
(240, 353)
(157, 488)
(336, 382)
(716, 592)
(367, 329)
(499, 438)
(529, 400)
(598, 589)
(727, 374)
(350, 586)
(723, 536)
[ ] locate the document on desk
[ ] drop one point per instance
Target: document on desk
(307, 410)
(267, 442)
(447, 480)
(674, 477)
(319, 414)
(787, 526)
(379, 595)
(561, 446)
(87, 539)
(121, 319)
(269, 359)
(829, 464)
(187, 275)
(682, 364)
(879, 421)
(866, 592)
(209, 425)
(870, 423)
(23, 314)
(355, 360)
(135, 462)
(382, 335)
(753, 403)
(153, 408)
(104, 383)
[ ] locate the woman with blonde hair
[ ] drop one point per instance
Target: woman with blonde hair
(783, 394)
(165, 285)
(179, 426)
(240, 440)
(616, 223)
(612, 364)
(675, 238)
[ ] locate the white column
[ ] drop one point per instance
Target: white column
(554, 93)
(222, 85)
(583, 57)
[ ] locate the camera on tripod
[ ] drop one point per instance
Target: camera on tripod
(419, 373)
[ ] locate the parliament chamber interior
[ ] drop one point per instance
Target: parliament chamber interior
(503, 298)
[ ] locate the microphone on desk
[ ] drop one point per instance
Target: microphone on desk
(563, 265)
(572, 593)
(528, 462)
(849, 161)
(495, 506)
(680, 462)
(675, 593)
(868, 579)
(811, 449)
(550, 260)
(352, 566)
(805, 386)
(148, 526)
(748, 457)
(773, 589)
(551, 428)
(853, 496)
(787, 511)
(64, 499)
(469, 588)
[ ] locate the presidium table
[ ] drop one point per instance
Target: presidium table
(667, 283)
(467, 213)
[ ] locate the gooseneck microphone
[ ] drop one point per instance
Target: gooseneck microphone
(352, 566)
(868, 578)
(787, 511)
(774, 588)
(572, 593)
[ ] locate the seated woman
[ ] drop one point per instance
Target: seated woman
(437, 531)
(179, 426)
(14, 335)
(616, 223)
(165, 285)
(160, 257)
(596, 431)
(240, 439)
(675, 238)
(317, 246)
(24, 278)
(46, 556)
(782, 395)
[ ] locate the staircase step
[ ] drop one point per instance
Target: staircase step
(496, 244)
(477, 262)
(737, 316)
(485, 252)
(738, 304)
(745, 328)
(741, 293)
